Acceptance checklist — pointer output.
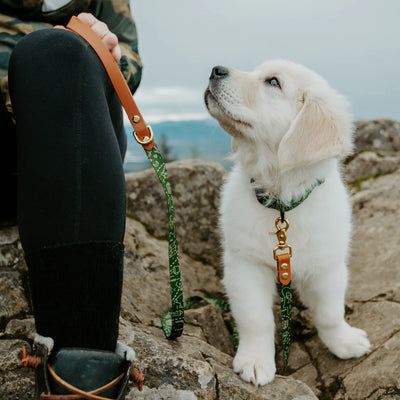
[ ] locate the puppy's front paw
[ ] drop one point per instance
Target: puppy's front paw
(346, 342)
(254, 366)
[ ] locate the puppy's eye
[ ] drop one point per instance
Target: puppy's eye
(273, 82)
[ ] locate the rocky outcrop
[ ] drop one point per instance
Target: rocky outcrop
(377, 150)
(381, 136)
(198, 365)
(196, 187)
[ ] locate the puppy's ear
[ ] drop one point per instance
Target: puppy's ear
(321, 130)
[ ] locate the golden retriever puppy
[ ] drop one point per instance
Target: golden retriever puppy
(288, 128)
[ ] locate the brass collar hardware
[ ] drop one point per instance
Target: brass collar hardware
(281, 235)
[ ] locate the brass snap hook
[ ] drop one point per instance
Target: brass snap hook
(278, 222)
(281, 235)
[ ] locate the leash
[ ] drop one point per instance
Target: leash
(143, 134)
(173, 320)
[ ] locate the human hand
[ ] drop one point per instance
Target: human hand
(102, 31)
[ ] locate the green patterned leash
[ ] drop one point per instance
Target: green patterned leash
(173, 319)
(282, 254)
(145, 137)
(173, 325)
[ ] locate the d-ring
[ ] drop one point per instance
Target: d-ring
(146, 139)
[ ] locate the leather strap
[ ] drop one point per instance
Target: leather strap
(285, 296)
(143, 133)
(284, 272)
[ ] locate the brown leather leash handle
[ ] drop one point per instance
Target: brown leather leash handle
(143, 133)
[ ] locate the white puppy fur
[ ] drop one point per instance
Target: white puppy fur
(288, 128)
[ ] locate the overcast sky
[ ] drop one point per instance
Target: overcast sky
(354, 44)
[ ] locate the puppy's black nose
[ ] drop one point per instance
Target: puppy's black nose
(219, 72)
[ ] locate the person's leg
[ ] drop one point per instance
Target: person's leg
(71, 206)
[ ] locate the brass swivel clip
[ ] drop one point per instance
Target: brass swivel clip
(281, 235)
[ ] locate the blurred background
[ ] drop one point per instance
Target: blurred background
(353, 44)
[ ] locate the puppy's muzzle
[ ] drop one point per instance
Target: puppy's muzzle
(219, 72)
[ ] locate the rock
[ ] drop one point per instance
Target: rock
(385, 394)
(13, 302)
(173, 363)
(309, 375)
(381, 136)
(298, 357)
(380, 370)
(16, 382)
(8, 236)
(215, 331)
(196, 187)
(164, 392)
(21, 328)
(377, 151)
(374, 265)
(369, 165)
(10, 248)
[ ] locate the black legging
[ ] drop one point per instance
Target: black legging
(71, 187)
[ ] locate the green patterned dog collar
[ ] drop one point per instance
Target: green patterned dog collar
(277, 204)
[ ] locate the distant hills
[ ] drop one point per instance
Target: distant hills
(179, 140)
